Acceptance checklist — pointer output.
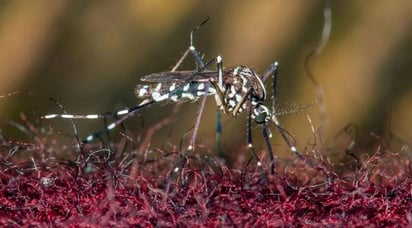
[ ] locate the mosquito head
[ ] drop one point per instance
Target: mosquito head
(261, 114)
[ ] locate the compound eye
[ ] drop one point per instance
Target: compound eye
(260, 118)
(261, 114)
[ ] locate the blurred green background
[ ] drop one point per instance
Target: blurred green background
(89, 56)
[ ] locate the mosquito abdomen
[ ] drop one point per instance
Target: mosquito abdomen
(175, 91)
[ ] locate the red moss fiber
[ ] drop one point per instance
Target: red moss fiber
(105, 187)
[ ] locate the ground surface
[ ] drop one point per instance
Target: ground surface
(100, 188)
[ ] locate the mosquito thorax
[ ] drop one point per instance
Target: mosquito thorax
(238, 84)
(246, 77)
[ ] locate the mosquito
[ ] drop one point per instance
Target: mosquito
(236, 89)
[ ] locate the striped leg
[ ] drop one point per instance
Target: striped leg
(250, 143)
(273, 70)
(89, 116)
(124, 113)
(130, 112)
(266, 135)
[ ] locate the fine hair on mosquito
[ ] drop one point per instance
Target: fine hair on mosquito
(235, 89)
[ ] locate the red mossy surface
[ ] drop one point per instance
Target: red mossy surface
(66, 195)
(48, 184)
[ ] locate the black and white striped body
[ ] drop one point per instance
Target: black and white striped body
(175, 91)
(232, 96)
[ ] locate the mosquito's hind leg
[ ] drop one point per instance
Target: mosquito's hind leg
(192, 48)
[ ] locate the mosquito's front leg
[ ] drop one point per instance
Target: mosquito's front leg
(274, 69)
(249, 139)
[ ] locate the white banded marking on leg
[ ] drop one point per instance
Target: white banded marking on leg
(67, 116)
(219, 60)
(275, 120)
(111, 126)
(50, 116)
(123, 112)
(92, 116)
(89, 138)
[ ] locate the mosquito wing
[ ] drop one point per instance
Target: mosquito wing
(177, 76)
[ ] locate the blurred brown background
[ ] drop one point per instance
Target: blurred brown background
(90, 55)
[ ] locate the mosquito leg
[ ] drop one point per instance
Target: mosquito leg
(197, 123)
(274, 69)
(180, 60)
(219, 146)
(250, 143)
(177, 65)
(201, 66)
(181, 164)
(192, 141)
(90, 116)
(192, 48)
(219, 100)
(270, 71)
(76, 134)
(130, 112)
(249, 140)
(269, 147)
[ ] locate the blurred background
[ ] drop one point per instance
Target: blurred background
(90, 56)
